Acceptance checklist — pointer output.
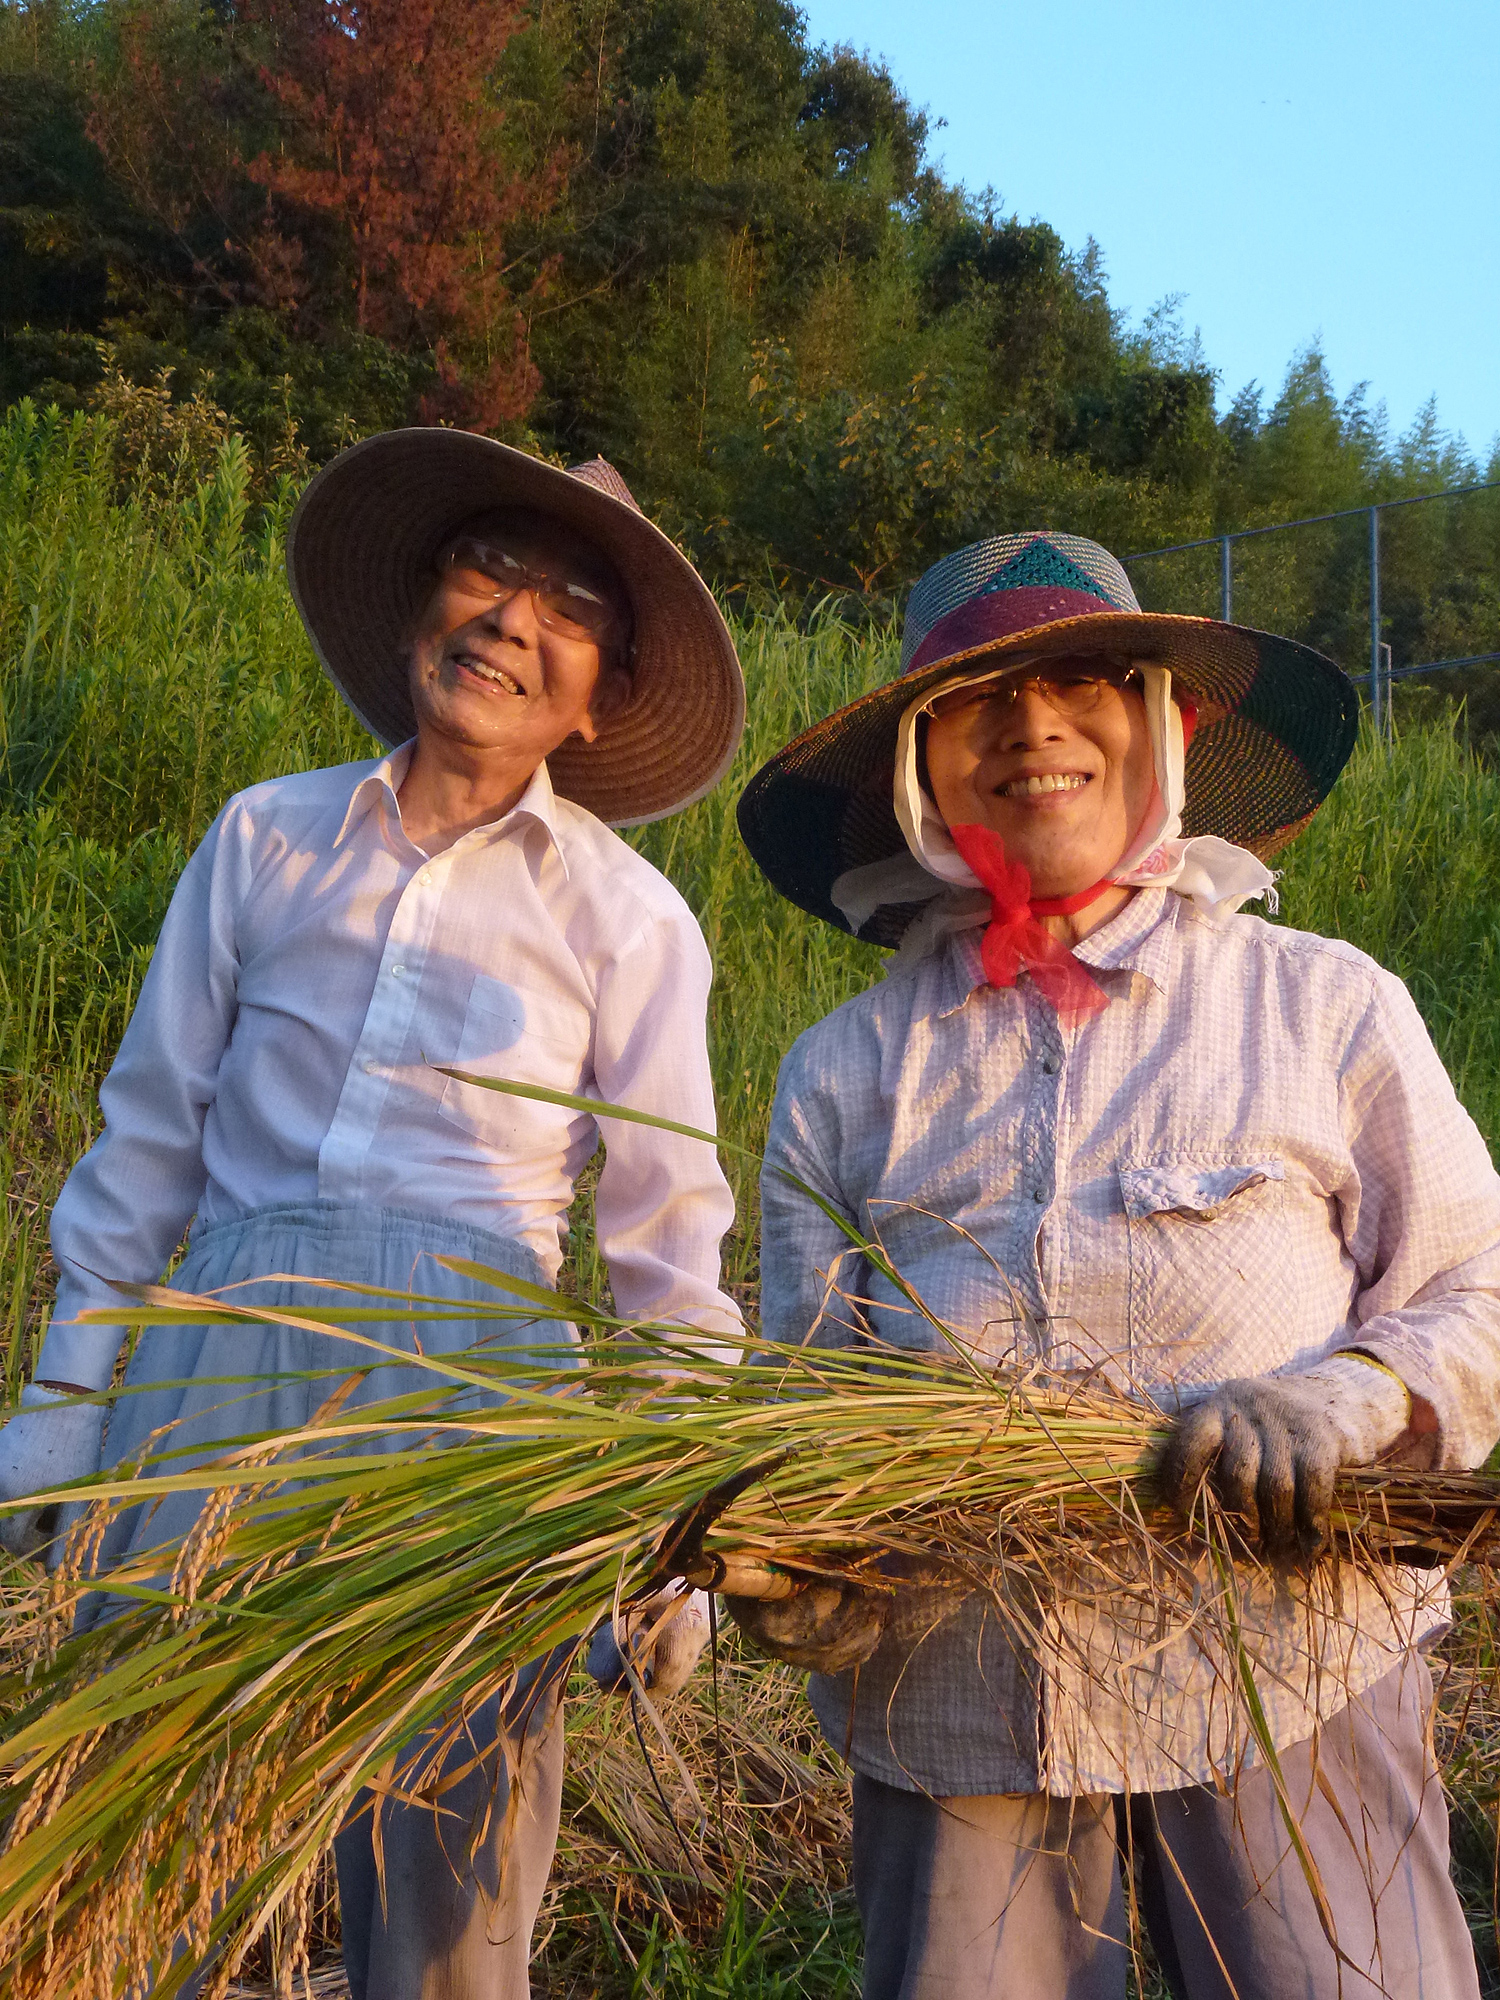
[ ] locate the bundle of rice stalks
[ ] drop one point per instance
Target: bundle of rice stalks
(172, 1775)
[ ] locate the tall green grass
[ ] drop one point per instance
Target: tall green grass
(151, 663)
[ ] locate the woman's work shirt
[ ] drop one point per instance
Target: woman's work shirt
(1252, 1158)
(313, 969)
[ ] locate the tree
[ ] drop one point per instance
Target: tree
(392, 131)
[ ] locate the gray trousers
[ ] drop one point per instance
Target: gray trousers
(448, 1927)
(1019, 1897)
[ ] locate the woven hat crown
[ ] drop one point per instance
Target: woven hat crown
(1037, 560)
(599, 473)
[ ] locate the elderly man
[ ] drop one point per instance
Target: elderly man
(547, 661)
(1101, 1120)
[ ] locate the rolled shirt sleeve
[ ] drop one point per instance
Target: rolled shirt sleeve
(1421, 1219)
(812, 1275)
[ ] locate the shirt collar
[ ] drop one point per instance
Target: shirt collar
(382, 782)
(1137, 939)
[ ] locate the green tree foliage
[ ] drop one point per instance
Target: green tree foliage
(671, 231)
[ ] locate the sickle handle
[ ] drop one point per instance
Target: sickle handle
(742, 1576)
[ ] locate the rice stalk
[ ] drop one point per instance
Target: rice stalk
(173, 1774)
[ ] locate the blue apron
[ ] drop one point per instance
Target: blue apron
(176, 1373)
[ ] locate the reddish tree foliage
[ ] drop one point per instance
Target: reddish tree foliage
(392, 132)
(167, 108)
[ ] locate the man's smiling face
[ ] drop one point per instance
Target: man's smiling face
(503, 674)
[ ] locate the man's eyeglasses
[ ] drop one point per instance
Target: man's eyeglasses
(1071, 691)
(490, 573)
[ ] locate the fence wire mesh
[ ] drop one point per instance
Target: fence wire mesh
(1404, 595)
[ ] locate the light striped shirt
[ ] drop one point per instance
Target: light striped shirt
(1252, 1158)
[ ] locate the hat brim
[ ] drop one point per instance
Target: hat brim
(359, 560)
(1276, 724)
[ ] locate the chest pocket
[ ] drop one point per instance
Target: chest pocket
(512, 1032)
(1210, 1287)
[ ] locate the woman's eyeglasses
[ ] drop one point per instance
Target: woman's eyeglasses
(491, 574)
(1070, 691)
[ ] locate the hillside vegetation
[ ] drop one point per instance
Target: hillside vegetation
(153, 663)
(676, 233)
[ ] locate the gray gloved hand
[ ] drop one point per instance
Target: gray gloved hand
(826, 1627)
(664, 1654)
(51, 1440)
(1275, 1443)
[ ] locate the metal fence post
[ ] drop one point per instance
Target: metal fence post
(1226, 581)
(1375, 687)
(1387, 692)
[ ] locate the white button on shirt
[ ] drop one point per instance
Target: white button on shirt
(313, 968)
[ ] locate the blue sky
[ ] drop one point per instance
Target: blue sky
(1298, 169)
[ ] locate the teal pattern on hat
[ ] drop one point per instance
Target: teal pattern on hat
(1010, 562)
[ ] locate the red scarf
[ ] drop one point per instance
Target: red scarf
(1015, 938)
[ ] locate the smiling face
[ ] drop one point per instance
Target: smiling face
(1066, 786)
(503, 676)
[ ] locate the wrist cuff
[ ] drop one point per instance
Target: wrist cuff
(1358, 1354)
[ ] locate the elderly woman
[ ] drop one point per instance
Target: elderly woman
(1101, 1119)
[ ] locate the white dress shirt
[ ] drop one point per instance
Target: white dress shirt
(314, 966)
(1252, 1158)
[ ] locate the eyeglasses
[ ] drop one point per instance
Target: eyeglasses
(1071, 692)
(490, 573)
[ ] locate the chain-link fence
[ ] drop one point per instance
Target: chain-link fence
(1404, 595)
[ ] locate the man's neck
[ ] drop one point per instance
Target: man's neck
(449, 789)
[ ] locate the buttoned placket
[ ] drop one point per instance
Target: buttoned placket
(1039, 1138)
(385, 1036)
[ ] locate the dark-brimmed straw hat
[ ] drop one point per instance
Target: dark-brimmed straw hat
(1276, 720)
(360, 561)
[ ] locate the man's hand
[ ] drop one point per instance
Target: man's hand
(826, 1627)
(665, 1635)
(50, 1441)
(1274, 1445)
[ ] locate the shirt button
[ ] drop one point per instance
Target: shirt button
(1039, 1195)
(1049, 1066)
(372, 1068)
(398, 972)
(424, 877)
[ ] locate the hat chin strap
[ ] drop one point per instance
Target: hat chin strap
(1217, 875)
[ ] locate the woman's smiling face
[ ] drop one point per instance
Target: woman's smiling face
(1056, 763)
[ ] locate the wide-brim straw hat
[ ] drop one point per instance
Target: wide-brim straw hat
(360, 561)
(1276, 721)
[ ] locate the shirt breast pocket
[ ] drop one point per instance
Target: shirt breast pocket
(1210, 1282)
(524, 1037)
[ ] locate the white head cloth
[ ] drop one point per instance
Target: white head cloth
(1216, 874)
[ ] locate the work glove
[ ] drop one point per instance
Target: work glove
(51, 1440)
(1274, 1444)
(826, 1627)
(665, 1634)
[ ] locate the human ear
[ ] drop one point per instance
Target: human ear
(611, 693)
